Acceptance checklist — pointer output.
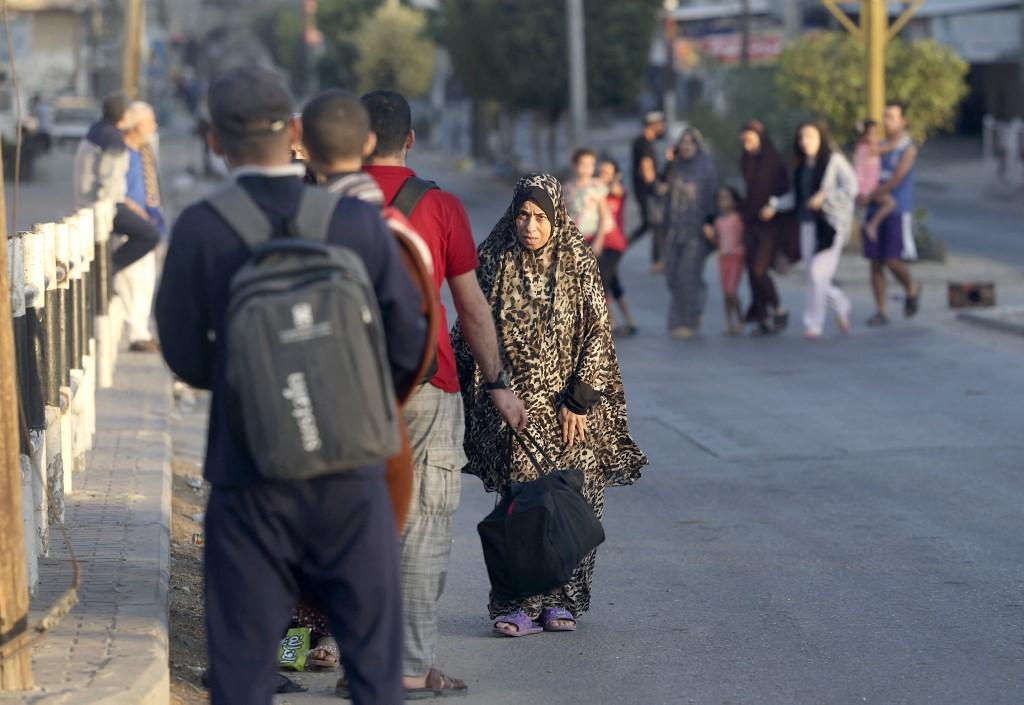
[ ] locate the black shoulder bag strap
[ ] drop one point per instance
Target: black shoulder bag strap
(246, 218)
(411, 193)
(526, 440)
(312, 220)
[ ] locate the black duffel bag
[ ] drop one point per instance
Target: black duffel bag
(539, 532)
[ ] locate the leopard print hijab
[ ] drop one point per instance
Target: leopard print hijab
(553, 328)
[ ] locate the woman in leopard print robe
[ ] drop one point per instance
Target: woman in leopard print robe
(552, 322)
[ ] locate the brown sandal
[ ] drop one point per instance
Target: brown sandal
(438, 686)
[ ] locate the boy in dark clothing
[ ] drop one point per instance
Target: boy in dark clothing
(332, 537)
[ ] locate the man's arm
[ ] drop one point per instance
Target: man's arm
(181, 313)
(647, 170)
(902, 169)
(478, 327)
(137, 208)
(477, 323)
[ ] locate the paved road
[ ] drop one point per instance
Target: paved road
(993, 231)
(822, 523)
(825, 523)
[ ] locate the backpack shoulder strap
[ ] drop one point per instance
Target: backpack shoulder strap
(246, 218)
(411, 193)
(313, 218)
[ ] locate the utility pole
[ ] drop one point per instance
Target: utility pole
(792, 19)
(577, 70)
(745, 33)
(1020, 67)
(16, 669)
(131, 61)
(876, 33)
(669, 101)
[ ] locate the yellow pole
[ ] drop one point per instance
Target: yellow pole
(134, 22)
(875, 27)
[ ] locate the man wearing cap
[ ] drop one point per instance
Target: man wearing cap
(645, 171)
(331, 538)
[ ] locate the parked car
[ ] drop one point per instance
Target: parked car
(72, 117)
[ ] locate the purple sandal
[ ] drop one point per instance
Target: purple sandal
(557, 614)
(521, 621)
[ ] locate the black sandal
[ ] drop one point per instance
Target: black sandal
(780, 320)
(912, 303)
(763, 330)
(878, 320)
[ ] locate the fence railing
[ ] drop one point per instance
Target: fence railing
(66, 335)
(1003, 149)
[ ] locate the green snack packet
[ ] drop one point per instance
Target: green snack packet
(295, 649)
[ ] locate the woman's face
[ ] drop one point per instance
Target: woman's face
(687, 147)
(810, 141)
(585, 167)
(726, 203)
(751, 141)
(606, 172)
(532, 226)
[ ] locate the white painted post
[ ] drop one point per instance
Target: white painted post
(54, 460)
(87, 249)
(1015, 147)
(63, 268)
(106, 344)
(988, 153)
(34, 252)
(79, 430)
(16, 272)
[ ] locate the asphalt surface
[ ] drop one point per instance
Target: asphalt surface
(821, 524)
(993, 230)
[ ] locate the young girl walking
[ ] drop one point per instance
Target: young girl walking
(615, 244)
(727, 232)
(867, 164)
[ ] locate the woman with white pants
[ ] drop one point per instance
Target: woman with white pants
(824, 193)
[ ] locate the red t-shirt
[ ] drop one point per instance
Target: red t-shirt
(615, 240)
(441, 220)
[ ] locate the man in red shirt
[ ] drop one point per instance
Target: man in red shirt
(435, 414)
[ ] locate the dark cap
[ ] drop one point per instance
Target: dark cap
(250, 100)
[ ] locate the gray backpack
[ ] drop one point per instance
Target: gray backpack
(310, 389)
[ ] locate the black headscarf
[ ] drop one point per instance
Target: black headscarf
(764, 173)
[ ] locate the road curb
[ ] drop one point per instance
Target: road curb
(137, 670)
(1006, 319)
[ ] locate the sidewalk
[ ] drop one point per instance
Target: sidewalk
(111, 649)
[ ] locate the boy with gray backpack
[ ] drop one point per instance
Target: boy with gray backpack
(291, 305)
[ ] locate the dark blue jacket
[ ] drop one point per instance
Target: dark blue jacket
(204, 254)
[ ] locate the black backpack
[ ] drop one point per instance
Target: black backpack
(309, 385)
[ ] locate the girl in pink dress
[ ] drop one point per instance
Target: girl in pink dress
(727, 233)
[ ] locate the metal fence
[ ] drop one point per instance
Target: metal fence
(66, 335)
(1003, 149)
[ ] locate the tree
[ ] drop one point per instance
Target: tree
(280, 29)
(394, 52)
(515, 51)
(339, 21)
(824, 74)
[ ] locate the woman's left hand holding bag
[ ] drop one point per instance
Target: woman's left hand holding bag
(573, 426)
